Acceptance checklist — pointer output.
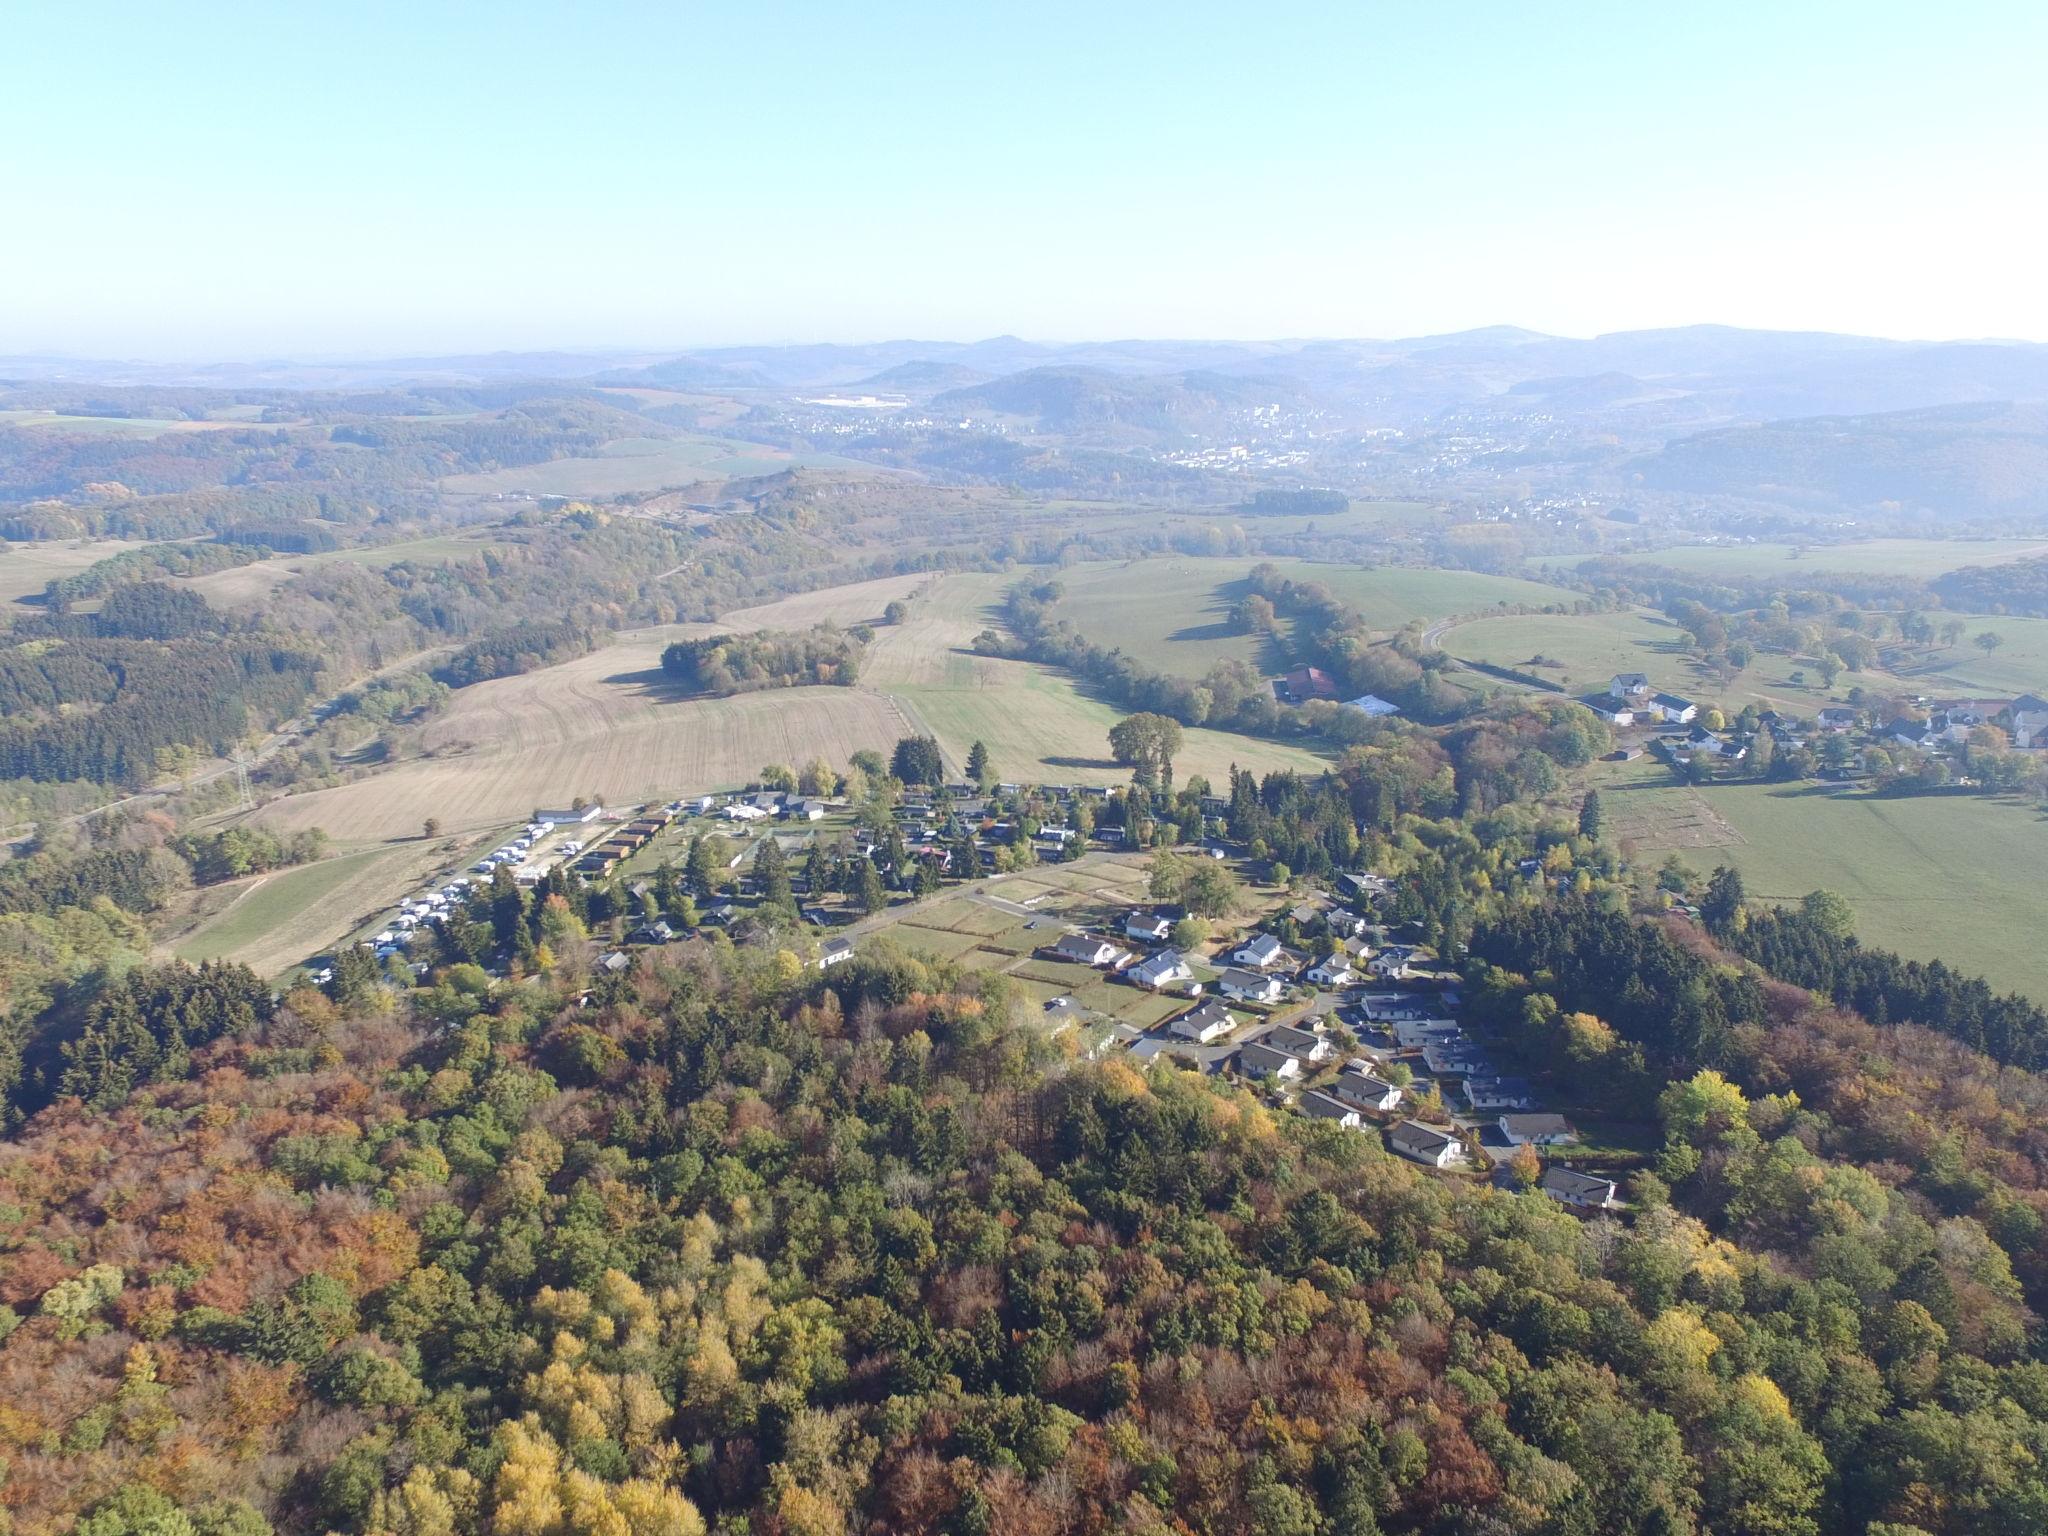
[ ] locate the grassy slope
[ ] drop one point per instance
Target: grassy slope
(1949, 877)
(1593, 647)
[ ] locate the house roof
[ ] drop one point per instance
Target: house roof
(1246, 981)
(1535, 1125)
(1323, 1107)
(1081, 945)
(1569, 1181)
(1414, 1136)
(1211, 1012)
(1288, 1037)
(1364, 1083)
(1263, 944)
(1672, 701)
(1257, 1056)
(1372, 704)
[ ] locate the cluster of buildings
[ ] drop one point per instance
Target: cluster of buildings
(1304, 685)
(1360, 1050)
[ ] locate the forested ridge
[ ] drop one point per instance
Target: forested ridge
(734, 1247)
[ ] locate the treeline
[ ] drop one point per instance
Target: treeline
(523, 647)
(728, 664)
(135, 878)
(232, 852)
(143, 1029)
(136, 565)
(1805, 949)
(2021, 587)
(1301, 503)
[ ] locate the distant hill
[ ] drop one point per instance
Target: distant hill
(924, 377)
(1967, 460)
(691, 373)
(1096, 405)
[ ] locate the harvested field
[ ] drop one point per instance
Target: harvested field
(25, 569)
(607, 725)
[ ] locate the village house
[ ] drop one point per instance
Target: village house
(1258, 1059)
(1425, 1144)
(1250, 986)
(1210, 1022)
(1837, 718)
(1581, 1191)
(1457, 1058)
(1673, 710)
(1321, 1106)
(1394, 962)
(1085, 949)
(1162, 970)
(1492, 1095)
(1537, 1130)
(838, 952)
(2028, 715)
(1148, 927)
(1611, 709)
(1335, 971)
(1308, 1044)
(1354, 1085)
(1261, 952)
(1415, 1034)
(1628, 685)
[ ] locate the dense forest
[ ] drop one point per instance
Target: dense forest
(735, 1247)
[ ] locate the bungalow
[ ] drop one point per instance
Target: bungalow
(1457, 1058)
(1537, 1130)
(1212, 1021)
(1162, 970)
(1610, 709)
(1628, 685)
(743, 811)
(1425, 1144)
(1393, 962)
(1491, 1095)
(1309, 1044)
(1263, 952)
(616, 961)
(1083, 949)
(1321, 1106)
(1258, 1059)
(806, 810)
(1333, 972)
(1148, 927)
(1355, 1086)
(1373, 707)
(656, 932)
(1387, 1007)
(838, 952)
(1583, 1191)
(1673, 710)
(1415, 1034)
(1366, 887)
(1837, 719)
(1250, 986)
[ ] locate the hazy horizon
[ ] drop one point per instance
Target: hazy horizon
(381, 180)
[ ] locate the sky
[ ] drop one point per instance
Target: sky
(234, 180)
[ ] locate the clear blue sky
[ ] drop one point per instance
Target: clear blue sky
(229, 179)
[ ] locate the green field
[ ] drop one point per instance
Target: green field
(642, 464)
(1953, 877)
(2020, 665)
(1591, 648)
(1173, 613)
(261, 911)
(1920, 558)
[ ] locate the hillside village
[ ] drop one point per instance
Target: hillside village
(1315, 997)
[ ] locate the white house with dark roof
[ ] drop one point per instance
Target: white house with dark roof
(1334, 971)
(1309, 1044)
(1250, 986)
(1148, 927)
(1165, 969)
(1581, 1191)
(1355, 1086)
(1085, 949)
(1426, 1144)
(1628, 685)
(1210, 1022)
(1537, 1130)
(1673, 710)
(1321, 1106)
(1260, 952)
(1257, 1059)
